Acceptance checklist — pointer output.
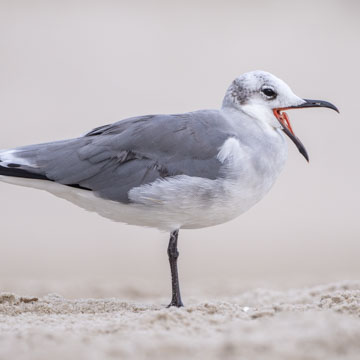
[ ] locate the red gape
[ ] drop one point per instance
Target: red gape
(286, 120)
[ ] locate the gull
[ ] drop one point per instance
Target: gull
(172, 172)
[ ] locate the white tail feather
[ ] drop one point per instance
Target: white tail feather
(13, 156)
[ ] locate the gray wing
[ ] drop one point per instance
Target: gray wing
(113, 159)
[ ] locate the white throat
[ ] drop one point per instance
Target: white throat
(261, 113)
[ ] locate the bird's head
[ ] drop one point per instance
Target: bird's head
(264, 97)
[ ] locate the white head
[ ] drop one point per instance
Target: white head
(263, 97)
(257, 93)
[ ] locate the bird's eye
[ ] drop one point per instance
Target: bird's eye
(270, 93)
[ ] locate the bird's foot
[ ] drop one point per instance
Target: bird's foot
(176, 302)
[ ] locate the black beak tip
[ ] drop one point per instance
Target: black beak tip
(319, 103)
(333, 107)
(304, 153)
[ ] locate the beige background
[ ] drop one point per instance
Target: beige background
(69, 66)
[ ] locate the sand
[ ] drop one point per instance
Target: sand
(321, 322)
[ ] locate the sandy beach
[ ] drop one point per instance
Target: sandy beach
(321, 322)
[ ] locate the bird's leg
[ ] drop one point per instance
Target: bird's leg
(173, 256)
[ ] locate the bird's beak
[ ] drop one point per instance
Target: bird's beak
(285, 122)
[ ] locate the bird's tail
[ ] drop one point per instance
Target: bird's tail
(21, 162)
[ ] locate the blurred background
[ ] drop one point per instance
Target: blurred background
(69, 66)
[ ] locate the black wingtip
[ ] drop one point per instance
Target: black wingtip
(15, 171)
(12, 170)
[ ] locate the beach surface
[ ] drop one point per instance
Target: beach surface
(320, 322)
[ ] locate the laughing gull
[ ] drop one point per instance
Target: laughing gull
(171, 172)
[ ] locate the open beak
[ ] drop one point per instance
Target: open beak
(285, 122)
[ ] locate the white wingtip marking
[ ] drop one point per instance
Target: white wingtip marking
(9, 157)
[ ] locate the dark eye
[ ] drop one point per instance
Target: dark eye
(269, 92)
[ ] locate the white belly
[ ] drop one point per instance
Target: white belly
(204, 203)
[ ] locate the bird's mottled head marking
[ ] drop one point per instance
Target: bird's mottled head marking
(248, 85)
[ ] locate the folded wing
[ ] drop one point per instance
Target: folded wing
(113, 159)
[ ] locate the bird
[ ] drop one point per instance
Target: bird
(172, 172)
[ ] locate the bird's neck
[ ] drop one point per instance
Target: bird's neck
(261, 115)
(267, 144)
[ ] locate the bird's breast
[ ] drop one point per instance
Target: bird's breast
(246, 175)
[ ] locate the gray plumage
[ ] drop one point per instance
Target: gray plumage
(112, 159)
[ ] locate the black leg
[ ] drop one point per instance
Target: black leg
(173, 256)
